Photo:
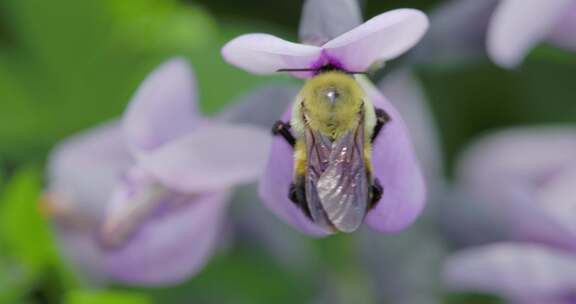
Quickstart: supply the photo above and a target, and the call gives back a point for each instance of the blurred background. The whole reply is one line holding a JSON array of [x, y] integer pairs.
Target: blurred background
[[67, 65]]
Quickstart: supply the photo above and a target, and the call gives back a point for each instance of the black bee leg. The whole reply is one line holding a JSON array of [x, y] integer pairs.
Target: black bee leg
[[283, 129], [377, 191], [297, 195], [382, 118]]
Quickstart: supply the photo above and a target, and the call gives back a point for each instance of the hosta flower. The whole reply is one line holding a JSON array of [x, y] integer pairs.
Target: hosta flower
[[519, 25], [521, 273], [381, 38], [143, 200], [528, 177]]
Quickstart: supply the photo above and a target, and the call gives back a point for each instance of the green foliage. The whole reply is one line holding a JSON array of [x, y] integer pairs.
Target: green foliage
[[472, 298], [23, 231], [28, 259], [108, 297], [73, 64], [243, 276], [472, 99]]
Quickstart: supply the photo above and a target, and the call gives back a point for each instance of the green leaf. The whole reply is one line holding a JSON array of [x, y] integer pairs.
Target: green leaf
[[104, 296], [23, 231], [161, 25], [13, 280]]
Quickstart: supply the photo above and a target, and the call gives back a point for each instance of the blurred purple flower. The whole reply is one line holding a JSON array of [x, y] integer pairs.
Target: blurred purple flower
[[519, 25], [166, 172], [521, 273], [383, 37], [527, 175]]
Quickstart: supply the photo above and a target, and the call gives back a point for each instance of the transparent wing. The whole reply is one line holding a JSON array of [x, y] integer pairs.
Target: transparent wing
[[318, 157], [337, 185]]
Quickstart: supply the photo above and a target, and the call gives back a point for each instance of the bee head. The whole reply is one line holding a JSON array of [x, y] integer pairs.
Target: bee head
[[331, 100]]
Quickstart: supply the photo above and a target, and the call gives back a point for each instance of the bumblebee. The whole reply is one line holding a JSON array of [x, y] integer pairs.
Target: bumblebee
[[332, 129]]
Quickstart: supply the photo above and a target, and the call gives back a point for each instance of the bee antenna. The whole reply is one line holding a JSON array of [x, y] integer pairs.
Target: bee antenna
[[358, 73]]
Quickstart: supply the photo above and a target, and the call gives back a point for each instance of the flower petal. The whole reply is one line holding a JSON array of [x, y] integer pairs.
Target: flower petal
[[266, 54], [261, 106], [564, 32], [323, 20], [505, 170], [163, 108], [518, 25], [213, 157], [80, 250], [275, 182], [83, 170], [406, 94], [396, 166], [514, 270], [383, 37], [173, 243]]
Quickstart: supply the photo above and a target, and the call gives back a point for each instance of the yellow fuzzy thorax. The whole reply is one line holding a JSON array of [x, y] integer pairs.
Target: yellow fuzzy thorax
[[331, 118]]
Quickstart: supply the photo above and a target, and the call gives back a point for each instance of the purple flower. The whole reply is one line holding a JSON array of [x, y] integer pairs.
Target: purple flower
[[528, 176], [521, 273], [154, 187], [383, 37], [519, 25]]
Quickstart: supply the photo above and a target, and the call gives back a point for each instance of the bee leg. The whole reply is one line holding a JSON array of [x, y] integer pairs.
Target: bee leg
[[297, 195], [283, 129], [377, 191], [382, 118]]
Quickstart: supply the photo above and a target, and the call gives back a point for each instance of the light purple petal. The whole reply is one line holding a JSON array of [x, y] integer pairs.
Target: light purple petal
[[163, 108], [173, 243], [275, 182], [214, 156], [518, 25], [83, 170], [383, 37], [564, 33], [509, 169], [82, 252], [323, 20], [395, 165], [514, 270], [266, 54], [406, 94]]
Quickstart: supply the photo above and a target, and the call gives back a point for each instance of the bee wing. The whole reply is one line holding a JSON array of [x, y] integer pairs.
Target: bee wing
[[318, 157], [340, 191]]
